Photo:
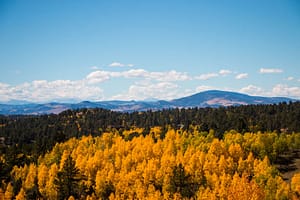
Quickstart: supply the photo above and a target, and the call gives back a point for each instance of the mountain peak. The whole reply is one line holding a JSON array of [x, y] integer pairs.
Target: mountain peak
[[209, 98], [215, 98]]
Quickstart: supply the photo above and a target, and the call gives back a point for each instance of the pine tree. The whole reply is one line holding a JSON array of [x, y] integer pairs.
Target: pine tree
[[180, 183], [67, 180]]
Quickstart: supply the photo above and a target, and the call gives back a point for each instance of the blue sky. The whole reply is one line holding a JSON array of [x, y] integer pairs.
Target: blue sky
[[101, 50]]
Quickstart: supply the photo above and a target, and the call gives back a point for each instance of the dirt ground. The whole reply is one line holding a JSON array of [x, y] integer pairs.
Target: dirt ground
[[289, 164]]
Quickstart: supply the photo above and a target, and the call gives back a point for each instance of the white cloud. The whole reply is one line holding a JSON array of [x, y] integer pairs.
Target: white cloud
[[94, 67], [3, 85], [278, 90], [4, 92], [134, 73], [202, 88], [158, 76], [270, 70], [98, 76], [147, 84], [285, 90], [207, 76], [253, 90], [147, 89], [290, 78], [224, 72], [169, 76], [117, 64], [44, 91], [158, 85], [241, 76], [101, 76]]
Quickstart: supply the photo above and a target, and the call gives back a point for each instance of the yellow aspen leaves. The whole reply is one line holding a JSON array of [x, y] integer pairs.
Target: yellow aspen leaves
[[9, 193], [21, 195], [295, 184], [30, 178], [183, 165]]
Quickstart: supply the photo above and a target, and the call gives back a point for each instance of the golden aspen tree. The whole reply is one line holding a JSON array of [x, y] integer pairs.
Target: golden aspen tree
[[146, 145], [20, 172], [139, 151], [149, 172], [242, 165], [283, 189], [43, 177], [91, 197], [189, 155], [224, 184], [107, 139], [262, 171], [50, 190], [295, 184], [211, 163], [21, 195], [156, 130], [81, 162], [168, 161], [153, 194], [222, 165], [217, 148], [212, 180], [91, 167], [9, 192], [236, 152], [206, 194], [177, 196], [64, 157], [249, 164], [140, 189], [2, 194], [71, 198], [242, 188], [233, 137], [30, 178], [157, 148], [231, 166], [100, 184]]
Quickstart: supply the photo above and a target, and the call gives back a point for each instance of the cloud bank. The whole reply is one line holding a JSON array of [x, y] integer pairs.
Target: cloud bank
[[141, 84], [45, 91]]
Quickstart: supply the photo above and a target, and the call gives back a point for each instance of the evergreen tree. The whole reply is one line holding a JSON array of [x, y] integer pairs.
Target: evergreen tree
[[181, 183], [67, 181]]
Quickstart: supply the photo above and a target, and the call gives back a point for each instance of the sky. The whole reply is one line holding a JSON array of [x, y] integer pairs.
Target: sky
[[75, 50]]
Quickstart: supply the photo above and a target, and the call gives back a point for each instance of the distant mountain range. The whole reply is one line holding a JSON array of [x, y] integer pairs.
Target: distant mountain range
[[211, 98]]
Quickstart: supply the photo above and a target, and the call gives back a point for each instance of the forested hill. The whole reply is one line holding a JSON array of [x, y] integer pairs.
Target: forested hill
[[34, 151], [40, 133]]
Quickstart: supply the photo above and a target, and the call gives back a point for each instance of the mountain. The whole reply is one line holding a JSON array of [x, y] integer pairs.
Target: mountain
[[216, 98], [211, 98]]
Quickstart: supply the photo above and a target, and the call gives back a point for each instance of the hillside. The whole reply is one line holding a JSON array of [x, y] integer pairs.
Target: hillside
[[39, 133], [183, 153], [212, 98], [216, 98], [181, 165]]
